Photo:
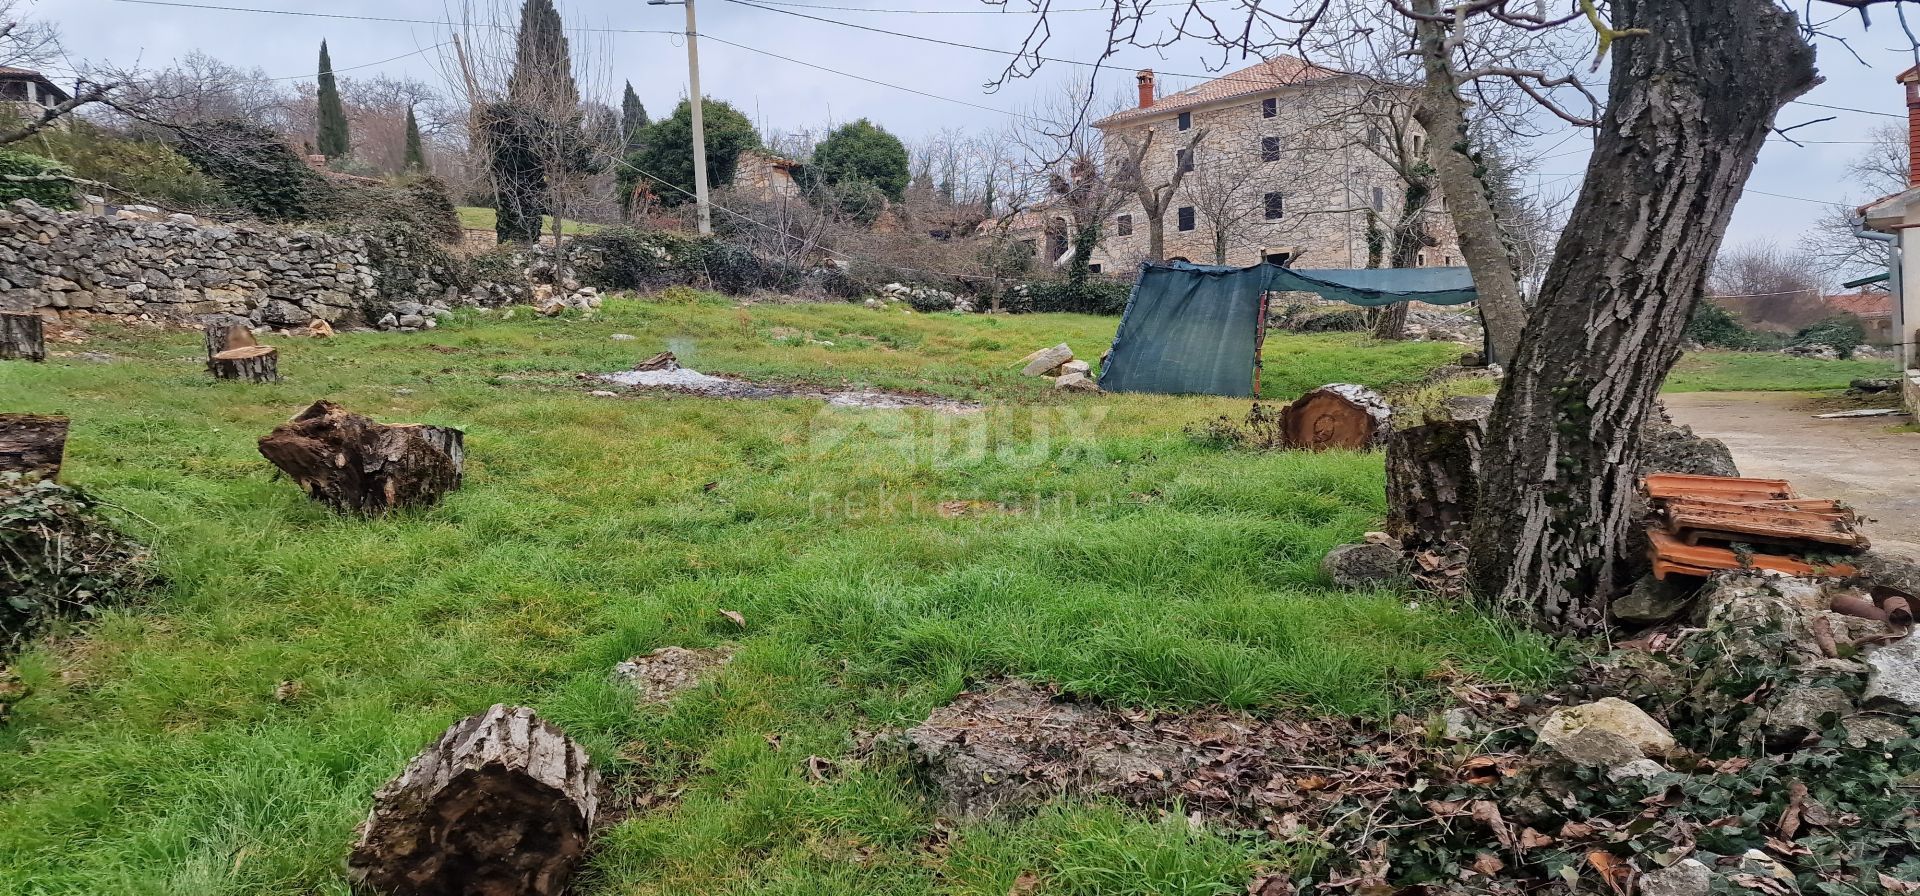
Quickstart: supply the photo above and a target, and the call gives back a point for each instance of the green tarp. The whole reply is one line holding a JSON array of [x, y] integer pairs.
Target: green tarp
[[1196, 329]]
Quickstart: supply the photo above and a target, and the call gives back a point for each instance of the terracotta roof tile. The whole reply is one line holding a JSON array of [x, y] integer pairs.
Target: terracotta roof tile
[[1862, 304], [1264, 77]]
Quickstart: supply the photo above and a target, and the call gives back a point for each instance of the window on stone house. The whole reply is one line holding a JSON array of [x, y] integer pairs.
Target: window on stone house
[[1276, 206], [1269, 107], [1185, 217], [1185, 121], [1419, 144], [1379, 199], [1123, 225], [13, 90], [1093, 267], [1269, 149], [1183, 159]]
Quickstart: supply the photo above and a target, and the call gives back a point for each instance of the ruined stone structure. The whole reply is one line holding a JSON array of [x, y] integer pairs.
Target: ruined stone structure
[[178, 269], [1287, 165]]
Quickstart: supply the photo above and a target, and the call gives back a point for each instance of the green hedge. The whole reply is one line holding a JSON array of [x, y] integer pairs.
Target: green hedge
[[42, 180]]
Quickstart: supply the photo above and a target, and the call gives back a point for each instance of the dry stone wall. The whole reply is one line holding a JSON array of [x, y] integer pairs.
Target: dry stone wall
[[178, 269]]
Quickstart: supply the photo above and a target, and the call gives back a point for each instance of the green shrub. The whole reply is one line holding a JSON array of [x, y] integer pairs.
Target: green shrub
[[45, 180], [1841, 332], [258, 172], [59, 559], [143, 169], [1716, 327], [1096, 295]]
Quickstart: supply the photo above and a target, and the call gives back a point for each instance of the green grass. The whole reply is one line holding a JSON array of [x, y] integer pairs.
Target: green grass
[[473, 218], [1717, 371], [153, 757]]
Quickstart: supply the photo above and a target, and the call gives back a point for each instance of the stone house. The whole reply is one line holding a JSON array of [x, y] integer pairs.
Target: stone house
[[765, 176], [25, 93], [1285, 165]]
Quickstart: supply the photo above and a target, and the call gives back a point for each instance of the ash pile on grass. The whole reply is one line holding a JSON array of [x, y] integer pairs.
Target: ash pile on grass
[[663, 373], [59, 559], [665, 673]]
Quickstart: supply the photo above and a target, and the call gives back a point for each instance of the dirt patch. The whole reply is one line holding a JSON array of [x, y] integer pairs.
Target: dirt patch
[[686, 381], [1014, 745], [667, 672]]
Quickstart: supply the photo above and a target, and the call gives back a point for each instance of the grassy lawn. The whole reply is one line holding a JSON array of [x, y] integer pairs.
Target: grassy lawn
[[472, 218], [154, 758], [1715, 371]]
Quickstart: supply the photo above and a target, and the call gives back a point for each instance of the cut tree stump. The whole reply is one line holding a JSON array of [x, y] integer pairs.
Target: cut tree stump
[[225, 336], [1433, 476], [22, 337], [30, 443], [1341, 415], [502, 805], [355, 465], [253, 364]]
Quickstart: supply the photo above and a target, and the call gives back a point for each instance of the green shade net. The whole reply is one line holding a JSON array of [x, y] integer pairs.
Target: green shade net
[[1195, 329]]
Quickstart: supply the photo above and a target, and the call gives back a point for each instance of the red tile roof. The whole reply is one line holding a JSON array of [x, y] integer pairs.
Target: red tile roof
[[1264, 77], [1862, 304]]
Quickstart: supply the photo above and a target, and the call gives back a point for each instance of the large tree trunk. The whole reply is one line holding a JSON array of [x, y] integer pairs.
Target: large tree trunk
[[22, 337], [1433, 475], [355, 465], [1442, 113], [1409, 237], [226, 333], [32, 444], [502, 805], [1689, 104]]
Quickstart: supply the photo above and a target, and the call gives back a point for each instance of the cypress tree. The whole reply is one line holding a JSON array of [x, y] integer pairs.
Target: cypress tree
[[331, 131], [416, 157], [542, 78], [633, 120]]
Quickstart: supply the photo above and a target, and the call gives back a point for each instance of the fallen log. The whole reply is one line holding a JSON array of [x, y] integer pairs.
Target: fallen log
[[32, 444], [355, 465], [22, 337], [1433, 476], [1336, 416], [253, 364], [502, 804]]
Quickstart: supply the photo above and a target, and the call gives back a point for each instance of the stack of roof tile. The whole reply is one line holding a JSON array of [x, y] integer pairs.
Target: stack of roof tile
[[1701, 524]]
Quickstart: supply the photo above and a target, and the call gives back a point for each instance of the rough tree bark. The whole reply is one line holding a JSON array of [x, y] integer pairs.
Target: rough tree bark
[[1689, 104], [226, 335], [1341, 415], [355, 465], [1156, 199], [22, 337], [1433, 475], [502, 805], [32, 444], [1409, 237], [1443, 115], [253, 364]]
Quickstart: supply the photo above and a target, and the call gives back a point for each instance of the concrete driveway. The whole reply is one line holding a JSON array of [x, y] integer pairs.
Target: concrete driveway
[[1773, 436]]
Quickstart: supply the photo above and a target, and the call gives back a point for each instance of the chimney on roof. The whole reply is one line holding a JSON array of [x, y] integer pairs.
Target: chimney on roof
[[1145, 77], [1911, 78]]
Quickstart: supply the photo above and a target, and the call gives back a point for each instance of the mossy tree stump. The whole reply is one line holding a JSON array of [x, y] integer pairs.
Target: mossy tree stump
[[22, 337]]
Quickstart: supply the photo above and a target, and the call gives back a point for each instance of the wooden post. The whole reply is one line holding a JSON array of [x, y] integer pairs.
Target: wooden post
[[355, 465], [502, 805], [22, 337], [30, 443], [253, 363], [1341, 415]]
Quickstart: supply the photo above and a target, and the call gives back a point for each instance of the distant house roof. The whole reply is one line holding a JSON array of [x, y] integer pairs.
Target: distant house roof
[[9, 73], [1264, 77], [1863, 304]]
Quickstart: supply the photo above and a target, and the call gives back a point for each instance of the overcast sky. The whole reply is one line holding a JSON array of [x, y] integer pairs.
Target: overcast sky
[[784, 95]]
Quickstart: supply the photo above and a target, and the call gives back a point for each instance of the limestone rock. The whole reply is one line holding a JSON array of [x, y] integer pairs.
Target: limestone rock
[[1075, 382], [1800, 711], [1607, 732], [1670, 448], [1366, 566], [1687, 877], [1640, 769], [1044, 361], [1652, 601], [1895, 676], [1075, 367], [1865, 729]]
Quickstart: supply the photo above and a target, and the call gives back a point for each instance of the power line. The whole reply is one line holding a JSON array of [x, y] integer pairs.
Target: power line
[[868, 80], [335, 71], [1004, 9], [330, 15], [1847, 109]]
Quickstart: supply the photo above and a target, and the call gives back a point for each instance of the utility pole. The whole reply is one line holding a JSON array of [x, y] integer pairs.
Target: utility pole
[[694, 103]]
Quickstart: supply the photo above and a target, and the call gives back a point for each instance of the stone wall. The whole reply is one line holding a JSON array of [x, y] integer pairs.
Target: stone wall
[[178, 269]]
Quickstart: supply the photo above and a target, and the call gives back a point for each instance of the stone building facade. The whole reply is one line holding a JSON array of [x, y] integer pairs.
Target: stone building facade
[[1284, 170]]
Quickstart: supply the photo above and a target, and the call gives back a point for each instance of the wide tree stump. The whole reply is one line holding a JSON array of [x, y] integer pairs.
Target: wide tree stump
[[355, 465], [253, 364], [502, 805], [1433, 475], [22, 337], [225, 335], [1341, 415], [32, 444]]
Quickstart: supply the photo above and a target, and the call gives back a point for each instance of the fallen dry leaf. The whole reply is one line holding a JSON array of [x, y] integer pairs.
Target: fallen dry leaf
[[820, 768], [1271, 885], [1026, 883], [1616, 873], [1532, 839], [1488, 864], [735, 617]]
